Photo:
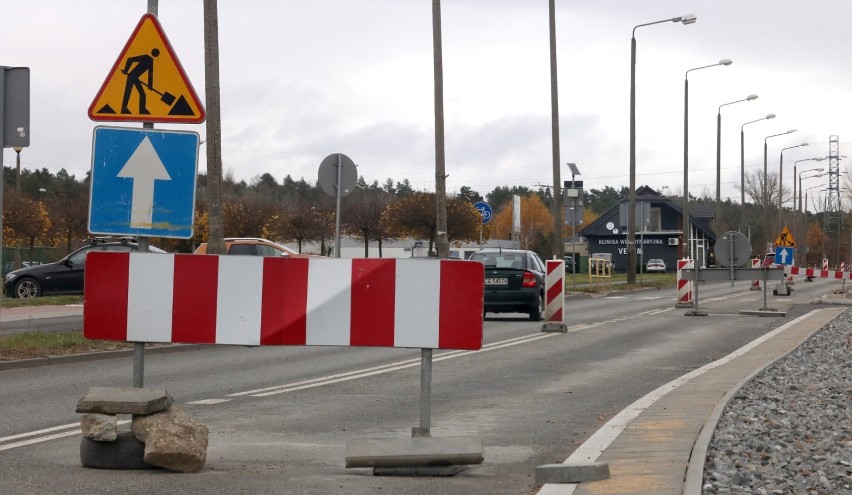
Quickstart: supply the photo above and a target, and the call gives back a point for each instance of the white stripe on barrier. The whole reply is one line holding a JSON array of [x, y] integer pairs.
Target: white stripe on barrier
[[329, 286], [238, 299], [151, 280], [418, 290]]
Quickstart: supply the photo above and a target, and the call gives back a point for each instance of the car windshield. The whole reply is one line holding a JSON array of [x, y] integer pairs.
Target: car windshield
[[501, 260]]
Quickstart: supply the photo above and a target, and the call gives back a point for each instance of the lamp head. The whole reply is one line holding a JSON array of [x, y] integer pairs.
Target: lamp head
[[726, 61], [803, 144], [790, 131], [751, 97], [770, 116], [686, 19]]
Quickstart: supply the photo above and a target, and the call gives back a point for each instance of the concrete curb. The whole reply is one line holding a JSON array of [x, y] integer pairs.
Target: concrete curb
[[95, 356]]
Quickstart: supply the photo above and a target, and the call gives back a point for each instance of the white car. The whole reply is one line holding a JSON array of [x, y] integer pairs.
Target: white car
[[655, 265]]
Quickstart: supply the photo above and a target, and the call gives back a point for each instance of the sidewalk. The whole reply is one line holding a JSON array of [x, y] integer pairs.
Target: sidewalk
[[37, 312], [658, 444]]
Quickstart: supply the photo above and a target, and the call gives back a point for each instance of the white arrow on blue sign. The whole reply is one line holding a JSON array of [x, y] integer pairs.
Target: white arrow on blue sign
[[143, 182], [784, 255]]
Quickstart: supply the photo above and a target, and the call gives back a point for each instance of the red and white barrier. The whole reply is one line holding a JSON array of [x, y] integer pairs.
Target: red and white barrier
[[755, 284], [554, 283], [825, 264], [814, 273], [684, 285], [247, 300]]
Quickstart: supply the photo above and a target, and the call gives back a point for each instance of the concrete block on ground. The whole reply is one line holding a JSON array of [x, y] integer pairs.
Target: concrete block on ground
[[763, 312], [124, 400], [413, 452], [100, 427], [554, 327], [571, 473]]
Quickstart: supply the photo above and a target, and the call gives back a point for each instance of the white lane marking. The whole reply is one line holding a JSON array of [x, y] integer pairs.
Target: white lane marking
[[600, 440], [310, 383], [208, 402], [45, 438]]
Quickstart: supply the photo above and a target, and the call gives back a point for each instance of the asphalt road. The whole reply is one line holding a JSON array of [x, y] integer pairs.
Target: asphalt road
[[279, 418]]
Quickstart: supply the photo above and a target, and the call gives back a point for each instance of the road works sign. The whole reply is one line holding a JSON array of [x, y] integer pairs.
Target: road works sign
[[147, 82], [785, 239], [143, 182]]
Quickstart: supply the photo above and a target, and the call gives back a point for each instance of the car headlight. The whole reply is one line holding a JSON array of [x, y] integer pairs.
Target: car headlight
[[10, 276]]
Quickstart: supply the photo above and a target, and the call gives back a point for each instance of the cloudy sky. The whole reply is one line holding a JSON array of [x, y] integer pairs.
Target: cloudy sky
[[302, 79]]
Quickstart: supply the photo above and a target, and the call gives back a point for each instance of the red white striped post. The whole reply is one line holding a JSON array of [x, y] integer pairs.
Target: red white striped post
[[755, 284], [554, 293], [825, 263], [684, 285]]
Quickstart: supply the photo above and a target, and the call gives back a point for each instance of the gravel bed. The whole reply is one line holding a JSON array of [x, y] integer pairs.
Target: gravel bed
[[789, 430]]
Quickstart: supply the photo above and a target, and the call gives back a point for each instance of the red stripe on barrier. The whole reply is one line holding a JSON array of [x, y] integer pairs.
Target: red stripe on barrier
[[196, 283], [105, 296], [554, 291], [373, 287], [460, 312], [283, 318]]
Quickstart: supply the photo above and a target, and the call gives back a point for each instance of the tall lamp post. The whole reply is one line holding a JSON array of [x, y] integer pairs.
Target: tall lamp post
[[797, 204], [798, 212], [687, 249], [719, 147], [742, 155], [631, 194], [781, 179], [766, 179]]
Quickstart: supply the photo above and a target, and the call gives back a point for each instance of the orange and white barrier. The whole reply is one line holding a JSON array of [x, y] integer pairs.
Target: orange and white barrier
[[248, 300], [554, 292], [684, 285]]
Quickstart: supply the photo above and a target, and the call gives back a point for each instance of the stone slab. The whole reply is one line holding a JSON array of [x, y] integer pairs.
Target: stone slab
[[124, 400], [413, 452], [761, 312], [571, 473]]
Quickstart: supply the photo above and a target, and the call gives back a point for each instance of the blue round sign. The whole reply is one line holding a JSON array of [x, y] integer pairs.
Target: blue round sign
[[485, 210]]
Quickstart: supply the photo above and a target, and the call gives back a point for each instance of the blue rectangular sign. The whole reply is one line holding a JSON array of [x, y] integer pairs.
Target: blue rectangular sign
[[143, 182], [784, 255]]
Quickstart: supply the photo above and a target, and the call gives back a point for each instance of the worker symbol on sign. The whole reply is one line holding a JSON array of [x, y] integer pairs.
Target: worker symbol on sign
[[785, 239], [135, 68], [147, 82]]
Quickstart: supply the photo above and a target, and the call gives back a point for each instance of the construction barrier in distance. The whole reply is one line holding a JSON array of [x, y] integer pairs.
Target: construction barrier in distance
[[684, 285]]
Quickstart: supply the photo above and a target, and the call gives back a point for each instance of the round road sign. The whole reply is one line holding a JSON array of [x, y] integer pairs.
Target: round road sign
[[485, 210], [733, 249], [328, 174]]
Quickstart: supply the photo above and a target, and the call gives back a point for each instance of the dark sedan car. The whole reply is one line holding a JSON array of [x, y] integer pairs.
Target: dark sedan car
[[514, 281], [64, 276]]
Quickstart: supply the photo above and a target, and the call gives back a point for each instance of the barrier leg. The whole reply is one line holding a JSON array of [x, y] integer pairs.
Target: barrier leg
[[425, 395]]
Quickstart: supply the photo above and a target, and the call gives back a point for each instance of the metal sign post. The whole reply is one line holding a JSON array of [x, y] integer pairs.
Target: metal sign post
[[337, 177]]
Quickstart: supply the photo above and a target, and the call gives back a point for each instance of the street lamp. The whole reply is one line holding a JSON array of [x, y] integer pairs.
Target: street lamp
[[798, 211], [686, 225], [742, 156], [796, 177], [719, 146], [781, 179], [631, 194], [766, 178]]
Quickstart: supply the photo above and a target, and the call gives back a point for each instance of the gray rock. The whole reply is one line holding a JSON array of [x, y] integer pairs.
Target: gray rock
[[173, 439], [100, 427]]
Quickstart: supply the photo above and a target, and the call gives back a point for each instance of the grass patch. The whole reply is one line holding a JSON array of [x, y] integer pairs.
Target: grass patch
[[618, 281], [13, 302], [40, 344]]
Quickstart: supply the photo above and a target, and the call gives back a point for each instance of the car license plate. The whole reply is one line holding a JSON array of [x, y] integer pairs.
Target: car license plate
[[496, 281]]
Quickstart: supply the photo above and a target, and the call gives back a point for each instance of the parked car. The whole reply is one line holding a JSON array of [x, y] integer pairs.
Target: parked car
[[655, 265], [768, 260], [254, 246], [514, 281], [64, 276]]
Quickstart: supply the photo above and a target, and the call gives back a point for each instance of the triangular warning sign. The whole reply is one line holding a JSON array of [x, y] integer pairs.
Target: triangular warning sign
[[785, 239], [147, 82]]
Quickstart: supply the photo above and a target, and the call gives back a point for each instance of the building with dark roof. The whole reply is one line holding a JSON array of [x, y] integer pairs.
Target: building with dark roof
[[660, 235]]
